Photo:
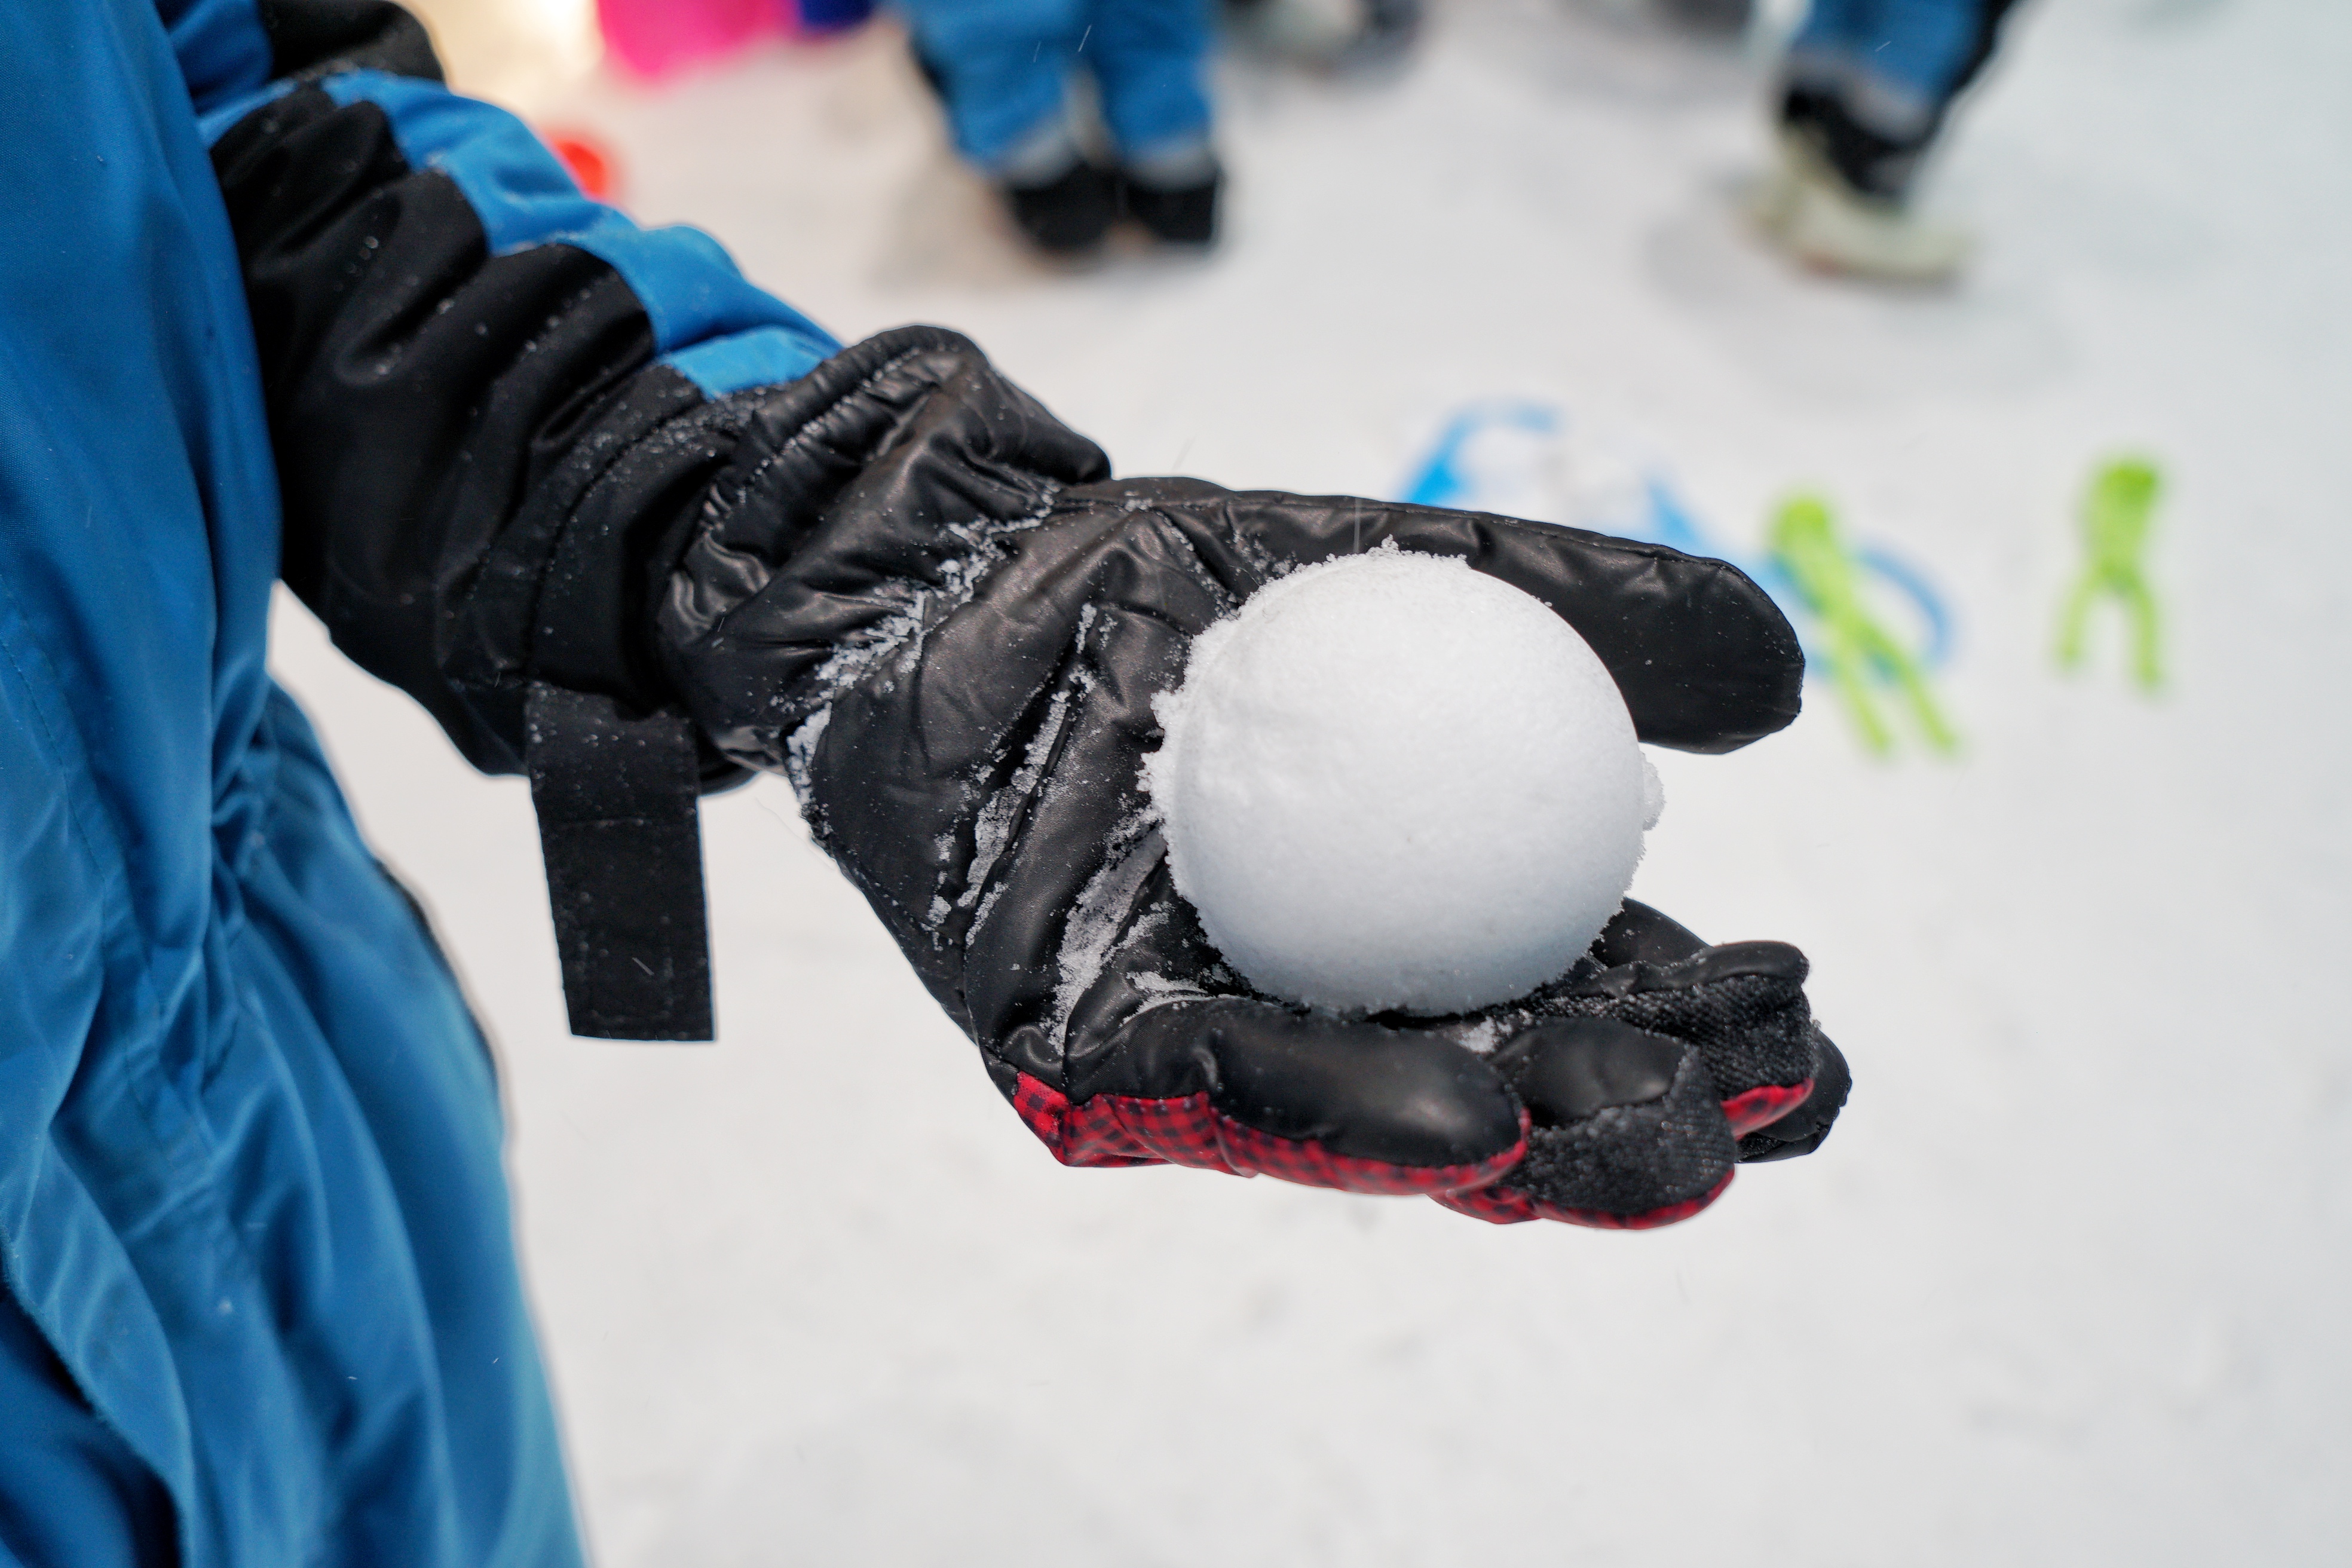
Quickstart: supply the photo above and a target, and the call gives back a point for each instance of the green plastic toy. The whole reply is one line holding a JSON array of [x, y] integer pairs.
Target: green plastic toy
[[1805, 544], [2117, 512]]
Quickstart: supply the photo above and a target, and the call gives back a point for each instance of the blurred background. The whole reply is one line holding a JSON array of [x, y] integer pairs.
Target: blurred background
[[2069, 1283]]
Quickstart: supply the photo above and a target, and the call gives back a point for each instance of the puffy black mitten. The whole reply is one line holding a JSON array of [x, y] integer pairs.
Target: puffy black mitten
[[919, 595]]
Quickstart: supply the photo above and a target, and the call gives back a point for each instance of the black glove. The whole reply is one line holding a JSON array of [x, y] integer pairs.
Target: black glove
[[919, 595]]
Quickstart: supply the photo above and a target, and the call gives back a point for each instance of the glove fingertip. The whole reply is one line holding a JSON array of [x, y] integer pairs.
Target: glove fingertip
[[1805, 1128], [1631, 1142], [1502, 1204], [1392, 1097]]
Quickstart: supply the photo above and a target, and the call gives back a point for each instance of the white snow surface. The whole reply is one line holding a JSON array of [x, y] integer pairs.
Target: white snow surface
[[2066, 1287], [1391, 781]]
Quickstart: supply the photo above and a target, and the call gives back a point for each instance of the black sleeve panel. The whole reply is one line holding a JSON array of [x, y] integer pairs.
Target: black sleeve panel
[[477, 454], [310, 37]]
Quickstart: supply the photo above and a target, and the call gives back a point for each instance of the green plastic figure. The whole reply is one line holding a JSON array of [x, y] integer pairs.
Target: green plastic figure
[[2118, 511], [1805, 544]]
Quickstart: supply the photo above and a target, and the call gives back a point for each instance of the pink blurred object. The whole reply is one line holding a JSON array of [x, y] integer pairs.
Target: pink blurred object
[[657, 38]]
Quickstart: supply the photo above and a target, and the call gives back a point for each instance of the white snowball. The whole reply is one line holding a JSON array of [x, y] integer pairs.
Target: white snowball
[[1392, 782], [1654, 795]]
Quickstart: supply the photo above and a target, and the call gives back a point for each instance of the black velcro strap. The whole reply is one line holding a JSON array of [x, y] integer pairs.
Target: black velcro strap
[[616, 823]]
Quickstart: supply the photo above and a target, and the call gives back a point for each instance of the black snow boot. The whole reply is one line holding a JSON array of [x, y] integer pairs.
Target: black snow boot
[[1067, 213], [1177, 215]]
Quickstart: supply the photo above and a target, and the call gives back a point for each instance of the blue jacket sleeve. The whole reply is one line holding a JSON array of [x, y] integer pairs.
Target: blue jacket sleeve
[[494, 403]]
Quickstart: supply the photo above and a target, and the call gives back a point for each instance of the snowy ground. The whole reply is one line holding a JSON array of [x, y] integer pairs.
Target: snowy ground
[[2068, 1286]]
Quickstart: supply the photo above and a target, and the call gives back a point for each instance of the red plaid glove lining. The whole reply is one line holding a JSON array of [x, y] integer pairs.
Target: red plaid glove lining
[[1507, 1205], [1118, 1130], [1764, 1105]]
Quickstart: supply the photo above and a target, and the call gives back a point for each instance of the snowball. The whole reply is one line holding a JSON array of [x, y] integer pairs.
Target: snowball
[[1391, 781]]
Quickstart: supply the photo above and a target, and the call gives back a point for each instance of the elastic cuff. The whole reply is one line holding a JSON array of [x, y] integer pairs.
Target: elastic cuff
[[1172, 162], [1041, 155], [1885, 107]]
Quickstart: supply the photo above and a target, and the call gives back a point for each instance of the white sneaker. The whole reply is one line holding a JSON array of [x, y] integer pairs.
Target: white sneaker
[[1767, 199], [1806, 209]]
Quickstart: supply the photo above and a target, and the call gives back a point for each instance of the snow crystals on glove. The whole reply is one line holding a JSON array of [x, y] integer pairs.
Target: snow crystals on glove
[[1392, 782]]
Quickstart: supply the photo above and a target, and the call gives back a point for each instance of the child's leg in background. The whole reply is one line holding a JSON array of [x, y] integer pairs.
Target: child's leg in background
[[1151, 59], [1003, 68], [1867, 86], [1870, 82]]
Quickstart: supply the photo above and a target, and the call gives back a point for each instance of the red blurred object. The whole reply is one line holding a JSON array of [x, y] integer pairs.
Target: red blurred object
[[591, 162]]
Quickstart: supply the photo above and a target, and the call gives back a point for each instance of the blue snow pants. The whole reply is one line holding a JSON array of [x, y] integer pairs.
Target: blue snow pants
[[1006, 67], [1895, 63]]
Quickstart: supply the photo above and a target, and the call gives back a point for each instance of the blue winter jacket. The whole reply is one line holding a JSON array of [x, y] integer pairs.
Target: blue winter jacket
[[256, 264]]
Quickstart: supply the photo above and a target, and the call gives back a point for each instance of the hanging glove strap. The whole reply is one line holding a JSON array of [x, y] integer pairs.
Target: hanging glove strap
[[615, 796]]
